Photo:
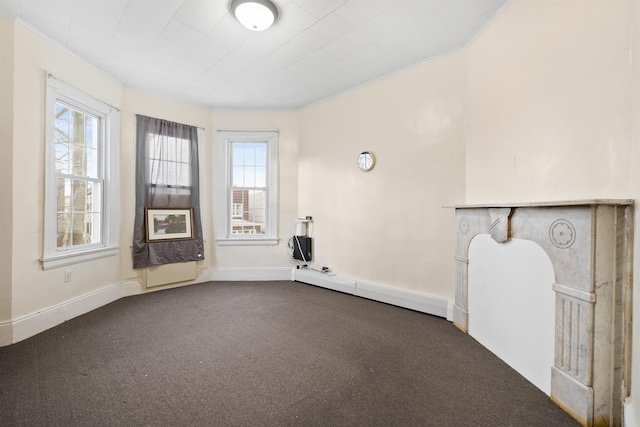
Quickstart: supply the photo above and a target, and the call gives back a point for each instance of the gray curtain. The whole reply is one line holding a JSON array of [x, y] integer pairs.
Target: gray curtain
[[166, 177]]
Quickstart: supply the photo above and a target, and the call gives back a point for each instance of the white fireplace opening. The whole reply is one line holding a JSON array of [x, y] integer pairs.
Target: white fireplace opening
[[512, 305]]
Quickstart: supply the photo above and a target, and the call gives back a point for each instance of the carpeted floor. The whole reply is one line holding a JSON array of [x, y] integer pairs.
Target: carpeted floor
[[262, 354]]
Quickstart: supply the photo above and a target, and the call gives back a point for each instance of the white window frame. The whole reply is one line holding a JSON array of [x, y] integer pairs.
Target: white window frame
[[234, 210], [52, 256], [223, 204]]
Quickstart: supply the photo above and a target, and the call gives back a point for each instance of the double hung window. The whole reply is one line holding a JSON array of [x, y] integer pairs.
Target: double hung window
[[81, 147], [247, 191]]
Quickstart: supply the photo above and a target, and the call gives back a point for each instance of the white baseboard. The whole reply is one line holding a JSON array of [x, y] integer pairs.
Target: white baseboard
[[403, 298], [629, 417], [29, 325], [325, 280], [6, 333], [247, 274], [398, 297]]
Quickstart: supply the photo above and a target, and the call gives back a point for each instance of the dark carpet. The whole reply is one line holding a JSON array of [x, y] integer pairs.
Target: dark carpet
[[262, 354]]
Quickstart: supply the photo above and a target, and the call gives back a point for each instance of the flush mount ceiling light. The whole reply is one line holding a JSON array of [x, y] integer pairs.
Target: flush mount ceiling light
[[256, 15]]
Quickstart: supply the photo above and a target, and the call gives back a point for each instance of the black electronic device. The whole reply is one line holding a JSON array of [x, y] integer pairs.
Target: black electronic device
[[302, 248]]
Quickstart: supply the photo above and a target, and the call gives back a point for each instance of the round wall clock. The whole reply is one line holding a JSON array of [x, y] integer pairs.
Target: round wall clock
[[366, 161]]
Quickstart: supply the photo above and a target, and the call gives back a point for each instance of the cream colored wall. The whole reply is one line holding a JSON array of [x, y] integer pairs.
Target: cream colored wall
[[388, 226], [549, 103], [238, 257], [551, 86], [33, 288], [6, 164], [136, 102]]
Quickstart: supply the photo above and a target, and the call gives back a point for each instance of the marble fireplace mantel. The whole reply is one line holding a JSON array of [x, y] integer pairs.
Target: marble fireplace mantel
[[590, 245]]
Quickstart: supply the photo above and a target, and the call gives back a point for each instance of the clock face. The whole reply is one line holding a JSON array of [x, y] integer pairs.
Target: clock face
[[366, 161]]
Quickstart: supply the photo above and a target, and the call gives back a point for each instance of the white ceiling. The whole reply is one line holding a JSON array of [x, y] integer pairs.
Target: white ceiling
[[195, 51]]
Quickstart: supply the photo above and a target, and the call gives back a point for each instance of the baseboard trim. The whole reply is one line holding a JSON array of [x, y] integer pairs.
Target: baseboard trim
[[398, 297], [247, 274], [6, 333], [31, 324], [324, 280], [403, 298], [629, 416], [26, 326]]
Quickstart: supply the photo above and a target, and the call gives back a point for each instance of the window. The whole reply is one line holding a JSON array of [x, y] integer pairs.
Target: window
[[169, 170], [247, 188], [167, 176], [81, 147]]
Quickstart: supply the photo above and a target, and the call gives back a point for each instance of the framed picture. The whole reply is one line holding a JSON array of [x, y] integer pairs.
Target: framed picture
[[169, 224]]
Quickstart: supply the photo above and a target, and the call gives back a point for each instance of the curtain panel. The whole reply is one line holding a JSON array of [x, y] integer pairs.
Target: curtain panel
[[167, 176]]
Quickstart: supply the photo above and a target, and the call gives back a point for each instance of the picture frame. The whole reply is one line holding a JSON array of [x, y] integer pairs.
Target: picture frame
[[164, 224]]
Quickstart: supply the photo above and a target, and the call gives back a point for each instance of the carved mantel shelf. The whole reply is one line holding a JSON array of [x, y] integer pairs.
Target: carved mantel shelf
[[590, 244]]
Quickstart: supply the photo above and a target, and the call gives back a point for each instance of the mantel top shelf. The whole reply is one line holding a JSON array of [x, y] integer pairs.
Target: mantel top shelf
[[589, 202]]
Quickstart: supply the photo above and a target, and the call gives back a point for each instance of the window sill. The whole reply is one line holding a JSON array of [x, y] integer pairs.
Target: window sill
[[248, 242], [62, 260]]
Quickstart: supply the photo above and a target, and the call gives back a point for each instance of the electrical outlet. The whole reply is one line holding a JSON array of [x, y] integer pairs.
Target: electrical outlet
[[67, 276]]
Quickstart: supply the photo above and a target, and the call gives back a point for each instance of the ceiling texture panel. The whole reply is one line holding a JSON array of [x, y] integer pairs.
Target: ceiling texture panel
[[195, 51]]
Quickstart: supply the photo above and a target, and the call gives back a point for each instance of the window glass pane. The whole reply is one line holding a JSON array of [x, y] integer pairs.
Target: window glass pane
[[78, 195], [92, 162], [76, 139], [253, 218], [260, 176], [238, 154], [249, 164], [64, 195], [79, 212], [82, 228], [237, 179], [94, 197], [261, 155], [61, 137], [91, 132], [64, 230], [170, 161]]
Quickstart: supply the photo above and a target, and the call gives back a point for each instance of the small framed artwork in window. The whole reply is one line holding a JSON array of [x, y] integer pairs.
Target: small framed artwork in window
[[169, 224]]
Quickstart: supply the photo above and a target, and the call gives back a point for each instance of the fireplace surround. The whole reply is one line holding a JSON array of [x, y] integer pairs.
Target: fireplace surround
[[590, 244]]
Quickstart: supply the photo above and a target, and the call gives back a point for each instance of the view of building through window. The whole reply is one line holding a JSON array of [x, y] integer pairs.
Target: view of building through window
[[248, 187], [78, 173]]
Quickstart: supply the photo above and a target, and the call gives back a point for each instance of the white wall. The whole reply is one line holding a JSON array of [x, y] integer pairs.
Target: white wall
[[32, 288], [549, 101], [388, 226], [551, 85], [243, 257], [6, 167]]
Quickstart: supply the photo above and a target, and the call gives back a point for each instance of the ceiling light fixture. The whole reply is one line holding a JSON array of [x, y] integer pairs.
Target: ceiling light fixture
[[256, 15]]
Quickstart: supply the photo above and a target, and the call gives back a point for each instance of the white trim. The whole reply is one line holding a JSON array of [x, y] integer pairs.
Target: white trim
[[6, 333], [629, 414], [247, 242], [31, 324], [248, 274], [328, 281], [222, 219], [77, 257], [403, 298], [399, 297], [53, 257]]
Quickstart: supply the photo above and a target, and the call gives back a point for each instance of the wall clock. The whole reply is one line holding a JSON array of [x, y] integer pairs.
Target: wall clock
[[366, 161]]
